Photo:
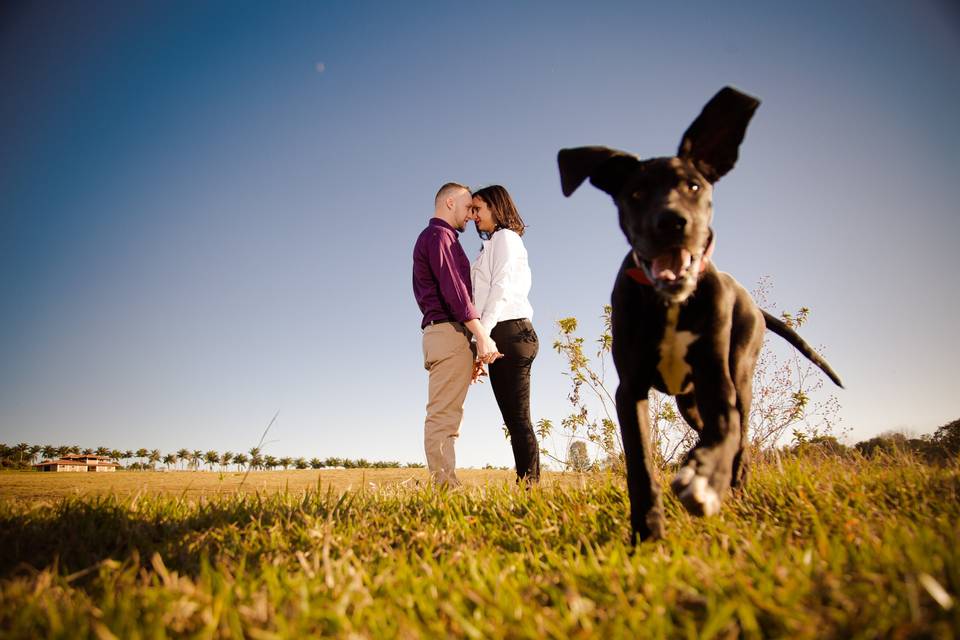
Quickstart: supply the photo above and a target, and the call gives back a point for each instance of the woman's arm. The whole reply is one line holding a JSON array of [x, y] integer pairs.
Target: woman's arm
[[506, 248]]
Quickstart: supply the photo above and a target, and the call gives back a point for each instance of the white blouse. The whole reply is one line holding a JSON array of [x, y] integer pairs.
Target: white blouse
[[501, 279]]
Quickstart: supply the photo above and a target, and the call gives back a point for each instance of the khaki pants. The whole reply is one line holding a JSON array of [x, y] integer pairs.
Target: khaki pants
[[448, 356]]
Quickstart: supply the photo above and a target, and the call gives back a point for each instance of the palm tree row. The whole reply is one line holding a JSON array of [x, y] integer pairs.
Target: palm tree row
[[23, 455]]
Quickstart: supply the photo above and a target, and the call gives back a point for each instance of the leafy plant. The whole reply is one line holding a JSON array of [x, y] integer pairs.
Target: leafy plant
[[593, 410], [784, 389]]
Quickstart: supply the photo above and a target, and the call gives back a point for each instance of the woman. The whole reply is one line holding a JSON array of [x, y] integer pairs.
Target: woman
[[501, 283]]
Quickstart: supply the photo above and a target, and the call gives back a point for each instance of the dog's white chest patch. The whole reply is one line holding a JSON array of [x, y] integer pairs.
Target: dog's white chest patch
[[673, 365]]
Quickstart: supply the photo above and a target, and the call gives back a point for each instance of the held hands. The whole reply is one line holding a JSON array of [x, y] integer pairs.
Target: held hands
[[486, 347], [490, 357], [487, 350]]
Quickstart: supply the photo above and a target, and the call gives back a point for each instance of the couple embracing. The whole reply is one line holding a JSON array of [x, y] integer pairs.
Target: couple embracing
[[475, 316]]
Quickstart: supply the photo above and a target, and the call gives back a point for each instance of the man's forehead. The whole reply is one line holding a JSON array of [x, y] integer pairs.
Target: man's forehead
[[453, 191]]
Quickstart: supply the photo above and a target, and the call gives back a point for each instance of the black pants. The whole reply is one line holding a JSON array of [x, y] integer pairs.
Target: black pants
[[510, 380]]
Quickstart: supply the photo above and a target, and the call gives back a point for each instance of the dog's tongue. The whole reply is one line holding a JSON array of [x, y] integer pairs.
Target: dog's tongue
[[670, 265]]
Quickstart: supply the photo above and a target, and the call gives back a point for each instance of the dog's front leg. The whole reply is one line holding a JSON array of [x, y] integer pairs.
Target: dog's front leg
[[643, 487], [705, 477]]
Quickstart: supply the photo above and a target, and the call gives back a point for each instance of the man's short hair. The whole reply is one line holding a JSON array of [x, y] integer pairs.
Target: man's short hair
[[446, 189]]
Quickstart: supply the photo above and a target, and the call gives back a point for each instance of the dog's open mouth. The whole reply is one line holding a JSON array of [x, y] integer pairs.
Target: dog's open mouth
[[672, 270], [670, 266]]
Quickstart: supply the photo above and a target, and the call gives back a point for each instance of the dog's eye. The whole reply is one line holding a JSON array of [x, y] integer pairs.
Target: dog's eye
[[693, 186], [637, 195]]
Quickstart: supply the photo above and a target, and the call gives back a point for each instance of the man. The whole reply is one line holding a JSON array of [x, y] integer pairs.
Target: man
[[441, 285]]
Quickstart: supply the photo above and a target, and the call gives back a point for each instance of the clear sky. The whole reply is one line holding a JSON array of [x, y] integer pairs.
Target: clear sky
[[207, 210]]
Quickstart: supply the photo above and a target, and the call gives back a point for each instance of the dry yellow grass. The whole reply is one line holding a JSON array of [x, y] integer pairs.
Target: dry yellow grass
[[35, 487]]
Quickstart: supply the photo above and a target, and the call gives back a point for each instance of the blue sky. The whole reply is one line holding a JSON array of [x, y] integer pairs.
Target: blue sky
[[207, 211]]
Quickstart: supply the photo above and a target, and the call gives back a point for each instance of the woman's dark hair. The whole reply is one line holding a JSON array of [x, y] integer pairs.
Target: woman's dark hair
[[501, 205]]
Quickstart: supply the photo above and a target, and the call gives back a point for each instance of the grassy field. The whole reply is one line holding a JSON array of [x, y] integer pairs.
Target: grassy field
[[34, 488], [810, 549]]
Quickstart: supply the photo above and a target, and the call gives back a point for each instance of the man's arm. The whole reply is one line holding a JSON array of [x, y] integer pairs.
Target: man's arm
[[453, 290], [457, 296]]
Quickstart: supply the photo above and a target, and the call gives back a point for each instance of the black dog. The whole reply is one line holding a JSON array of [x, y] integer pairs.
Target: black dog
[[679, 325]]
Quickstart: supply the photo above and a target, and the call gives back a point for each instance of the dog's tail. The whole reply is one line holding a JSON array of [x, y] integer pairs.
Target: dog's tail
[[780, 328]]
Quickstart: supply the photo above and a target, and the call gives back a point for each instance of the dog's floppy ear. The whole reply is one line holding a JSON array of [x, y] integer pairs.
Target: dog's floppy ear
[[606, 168], [713, 140]]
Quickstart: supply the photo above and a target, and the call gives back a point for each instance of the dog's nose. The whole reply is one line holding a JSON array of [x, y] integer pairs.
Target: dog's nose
[[670, 222]]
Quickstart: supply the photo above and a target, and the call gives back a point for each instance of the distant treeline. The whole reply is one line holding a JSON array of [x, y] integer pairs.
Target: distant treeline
[[24, 455], [941, 446]]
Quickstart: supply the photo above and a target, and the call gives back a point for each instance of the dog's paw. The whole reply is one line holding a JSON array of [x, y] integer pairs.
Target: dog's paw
[[695, 492]]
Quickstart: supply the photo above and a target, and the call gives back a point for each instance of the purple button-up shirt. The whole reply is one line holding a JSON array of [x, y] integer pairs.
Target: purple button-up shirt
[[441, 275]]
